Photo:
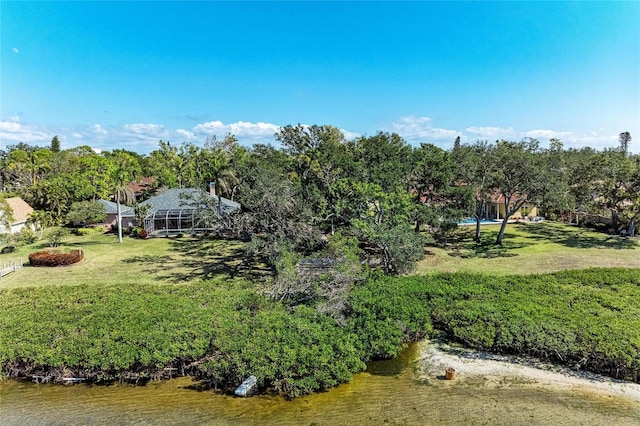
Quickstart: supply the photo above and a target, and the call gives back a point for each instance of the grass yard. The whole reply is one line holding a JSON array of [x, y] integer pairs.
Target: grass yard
[[527, 249], [532, 248], [135, 261]]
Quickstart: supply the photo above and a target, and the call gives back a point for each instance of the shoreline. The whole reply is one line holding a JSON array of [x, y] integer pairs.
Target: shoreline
[[492, 370]]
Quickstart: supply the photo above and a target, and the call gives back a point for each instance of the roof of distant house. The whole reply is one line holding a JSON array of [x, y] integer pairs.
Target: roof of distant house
[[144, 184], [21, 210], [112, 208], [185, 198]]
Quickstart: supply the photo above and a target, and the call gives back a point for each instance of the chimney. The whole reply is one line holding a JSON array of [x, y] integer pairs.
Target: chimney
[[212, 189]]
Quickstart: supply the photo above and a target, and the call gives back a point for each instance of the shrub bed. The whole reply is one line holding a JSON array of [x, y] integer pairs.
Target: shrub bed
[[587, 319], [55, 258], [90, 230], [224, 331]]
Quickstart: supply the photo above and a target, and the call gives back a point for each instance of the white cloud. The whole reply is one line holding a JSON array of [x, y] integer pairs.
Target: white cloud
[[186, 134], [240, 129], [419, 129], [99, 131], [546, 134], [492, 132], [12, 130], [145, 132], [594, 139], [350, 135], [15, 50]]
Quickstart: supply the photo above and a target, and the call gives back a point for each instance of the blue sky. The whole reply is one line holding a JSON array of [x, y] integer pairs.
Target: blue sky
[[127, 74]]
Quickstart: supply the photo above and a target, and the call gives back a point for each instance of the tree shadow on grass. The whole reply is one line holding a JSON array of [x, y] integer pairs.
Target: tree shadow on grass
[[487, 248], [209, 258], [201, 258], [575, 237], [154, 264]]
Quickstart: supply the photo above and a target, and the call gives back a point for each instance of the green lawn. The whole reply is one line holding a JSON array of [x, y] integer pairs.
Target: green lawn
[[528, 248], [532, 248], [135, 261]]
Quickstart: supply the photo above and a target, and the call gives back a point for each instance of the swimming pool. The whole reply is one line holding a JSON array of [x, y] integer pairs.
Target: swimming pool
[[472, 221]]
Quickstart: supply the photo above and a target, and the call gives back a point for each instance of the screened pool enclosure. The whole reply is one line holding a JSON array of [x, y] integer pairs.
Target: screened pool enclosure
[[182, 211], [165, 222]]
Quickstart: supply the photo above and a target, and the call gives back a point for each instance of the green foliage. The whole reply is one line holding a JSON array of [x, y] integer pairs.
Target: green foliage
[[87, 212], [387, 312], [90, 231], [222, 332], [398, 247], [225, 331], [56, 236], [586, 319], [26, 236]]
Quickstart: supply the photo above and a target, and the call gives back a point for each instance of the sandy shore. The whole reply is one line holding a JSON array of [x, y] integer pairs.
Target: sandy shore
[[474, 367]]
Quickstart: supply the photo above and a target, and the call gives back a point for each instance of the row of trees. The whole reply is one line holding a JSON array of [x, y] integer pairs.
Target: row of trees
[[377, 188]]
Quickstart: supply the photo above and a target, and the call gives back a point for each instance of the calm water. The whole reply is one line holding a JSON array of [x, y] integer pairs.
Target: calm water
[[388, 392]]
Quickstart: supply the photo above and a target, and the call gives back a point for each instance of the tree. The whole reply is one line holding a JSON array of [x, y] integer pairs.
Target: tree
[[142, 211], [220, 170], [581, 176], [383, 160], [40, 219], [87, 212], [625, 140], [124, 170], [55, 144], [614, 184], [436, 195], [56, 236], [515, 176], [6, 214], [554, 198], [164, 163], [472, 174], [321, 159], [273, 211], [26, 167]]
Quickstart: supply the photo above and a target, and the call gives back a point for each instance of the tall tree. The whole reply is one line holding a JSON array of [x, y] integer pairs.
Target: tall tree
[[55, 144], [384, 160], [125, 169], [436, 195], [554, 198], [625, 140], [321, 159], [473, 172], [515, 176], [614, 184]]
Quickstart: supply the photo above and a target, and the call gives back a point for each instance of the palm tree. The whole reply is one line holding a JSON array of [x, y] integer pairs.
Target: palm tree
[[222, 174], [40, 219], [125, 169], [121, 193]]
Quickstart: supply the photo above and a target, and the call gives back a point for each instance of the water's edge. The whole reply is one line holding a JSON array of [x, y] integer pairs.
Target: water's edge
[[407, 390]]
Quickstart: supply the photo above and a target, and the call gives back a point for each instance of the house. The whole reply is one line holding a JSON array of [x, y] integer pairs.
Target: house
[[128, 215], [20, 211], [495, 208], [142, 188], [181, 211]]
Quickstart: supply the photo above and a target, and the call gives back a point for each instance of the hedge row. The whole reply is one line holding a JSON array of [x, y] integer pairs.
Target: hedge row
[[224, 331], [586, 320], [55, 258]]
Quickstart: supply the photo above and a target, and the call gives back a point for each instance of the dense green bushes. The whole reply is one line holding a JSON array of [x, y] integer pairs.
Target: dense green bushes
[[586, 319], [223, 332]]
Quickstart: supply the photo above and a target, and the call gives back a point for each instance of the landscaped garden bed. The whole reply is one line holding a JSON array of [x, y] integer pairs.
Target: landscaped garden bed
[[55, 257]]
